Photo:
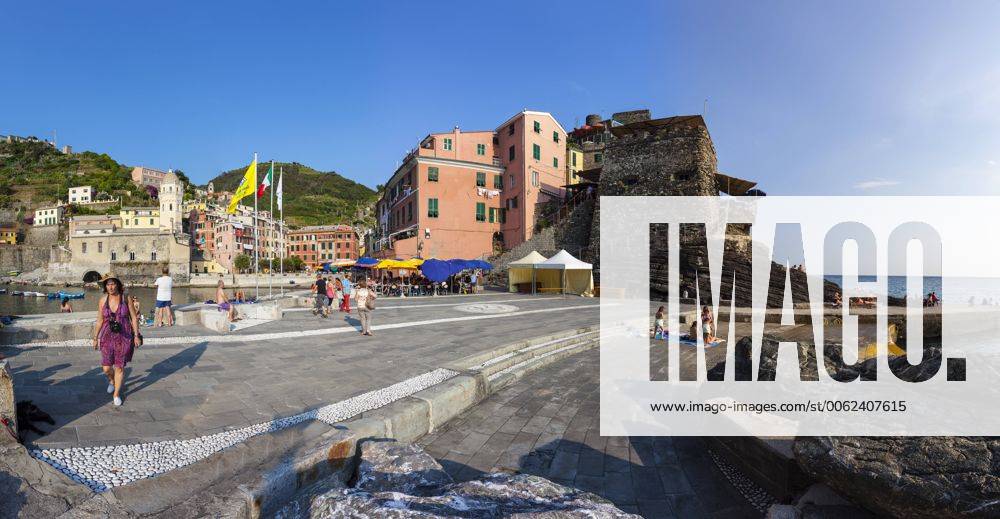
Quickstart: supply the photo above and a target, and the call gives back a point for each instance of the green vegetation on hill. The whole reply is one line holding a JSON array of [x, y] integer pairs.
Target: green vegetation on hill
[[311, 197], [34, 174]]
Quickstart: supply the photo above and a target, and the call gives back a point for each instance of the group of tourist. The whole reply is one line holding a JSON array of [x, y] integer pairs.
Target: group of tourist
[[707, 325], [327, 291]]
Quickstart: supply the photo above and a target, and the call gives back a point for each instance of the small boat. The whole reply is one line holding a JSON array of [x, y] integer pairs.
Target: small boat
[[35, 294], [3, 290], [17, 293], [52, 295], [71, 295]]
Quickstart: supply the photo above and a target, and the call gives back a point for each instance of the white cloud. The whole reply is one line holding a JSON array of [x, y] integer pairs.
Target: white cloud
[[875, 183], [991, 162]]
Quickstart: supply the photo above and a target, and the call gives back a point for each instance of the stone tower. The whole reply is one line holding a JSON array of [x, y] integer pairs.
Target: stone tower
[[672, 156], [171, 203]]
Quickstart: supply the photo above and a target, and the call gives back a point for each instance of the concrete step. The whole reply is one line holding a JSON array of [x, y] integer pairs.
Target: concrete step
[[482, 360], [516, 371], [517, 357]]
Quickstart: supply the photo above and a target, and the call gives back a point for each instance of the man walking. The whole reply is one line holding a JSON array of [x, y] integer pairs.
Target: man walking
[[345, 305], [319, 288], [164, 292]]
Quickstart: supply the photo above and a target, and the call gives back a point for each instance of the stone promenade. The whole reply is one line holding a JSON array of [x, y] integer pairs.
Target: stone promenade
[[547, 424], [205, 383]]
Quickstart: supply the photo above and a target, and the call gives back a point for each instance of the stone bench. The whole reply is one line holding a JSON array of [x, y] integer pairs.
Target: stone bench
[[209, 315], [49, 328]]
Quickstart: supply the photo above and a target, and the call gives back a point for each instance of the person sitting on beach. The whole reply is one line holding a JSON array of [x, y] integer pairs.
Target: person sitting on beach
[[659, 325], [707, 326], [65, 307], [137, 308], [223, 302]]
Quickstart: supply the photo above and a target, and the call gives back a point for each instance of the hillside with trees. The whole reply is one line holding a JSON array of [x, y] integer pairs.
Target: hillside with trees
[[311, 197], [33, 173]]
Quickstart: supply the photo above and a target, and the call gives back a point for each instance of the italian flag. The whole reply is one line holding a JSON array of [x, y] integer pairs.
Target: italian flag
[[266, 183]]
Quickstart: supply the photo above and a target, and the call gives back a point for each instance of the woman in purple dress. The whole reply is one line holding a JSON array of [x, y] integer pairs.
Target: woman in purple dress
[[115, 333]]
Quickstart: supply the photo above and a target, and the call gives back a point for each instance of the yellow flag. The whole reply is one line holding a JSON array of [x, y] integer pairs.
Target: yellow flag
[[248, 186]]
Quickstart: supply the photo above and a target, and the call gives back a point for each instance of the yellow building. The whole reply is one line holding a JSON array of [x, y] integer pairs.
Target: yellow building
[[195, 205], [140, 217], [574, 163], [8, 235], [207, 266]]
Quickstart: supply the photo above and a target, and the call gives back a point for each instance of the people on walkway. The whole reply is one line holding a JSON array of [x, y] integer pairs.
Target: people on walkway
[[319, 291], [164, 293], [223, 302], [115, 334], [65, 306], [365, 298], [331, 294], [345, 302]]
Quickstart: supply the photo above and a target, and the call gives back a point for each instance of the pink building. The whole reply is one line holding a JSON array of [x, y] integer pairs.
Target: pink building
[[144, 176], [471, 194], [532, 148]]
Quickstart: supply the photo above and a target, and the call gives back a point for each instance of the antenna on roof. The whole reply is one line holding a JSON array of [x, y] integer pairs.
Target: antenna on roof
[[704, 108]]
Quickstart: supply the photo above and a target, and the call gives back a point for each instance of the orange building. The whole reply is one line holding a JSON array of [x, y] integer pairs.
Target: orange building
[[469, 194], [319, 244]]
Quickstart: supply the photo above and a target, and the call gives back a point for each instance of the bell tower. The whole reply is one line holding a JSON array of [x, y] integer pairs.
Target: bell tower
[[171, 203]]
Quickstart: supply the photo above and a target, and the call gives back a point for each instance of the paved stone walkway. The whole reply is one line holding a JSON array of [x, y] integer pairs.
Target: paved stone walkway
[[547, 424], [204, 386]]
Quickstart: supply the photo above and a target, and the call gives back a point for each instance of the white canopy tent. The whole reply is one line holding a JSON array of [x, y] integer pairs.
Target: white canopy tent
[[523, 270], [576, 276]]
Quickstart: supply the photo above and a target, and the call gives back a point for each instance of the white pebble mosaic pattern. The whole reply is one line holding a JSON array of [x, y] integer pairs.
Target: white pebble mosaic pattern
[[101, 468]]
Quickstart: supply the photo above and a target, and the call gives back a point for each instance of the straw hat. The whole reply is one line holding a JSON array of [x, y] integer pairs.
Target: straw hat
[[108, 277]]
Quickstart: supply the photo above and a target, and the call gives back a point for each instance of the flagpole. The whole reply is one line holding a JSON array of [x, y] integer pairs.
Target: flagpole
[[270, 257], [256, 241], [281, 227]]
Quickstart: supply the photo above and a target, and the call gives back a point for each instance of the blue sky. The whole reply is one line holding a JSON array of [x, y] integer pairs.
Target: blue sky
[[805, 97]]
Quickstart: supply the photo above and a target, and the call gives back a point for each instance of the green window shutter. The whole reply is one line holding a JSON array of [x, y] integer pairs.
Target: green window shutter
[[493, 213], [536, 151], [510, 153], [573, 155], [598, 157], [497, 181], [480, 149], [447, 144], [555, 136], [538, 127], [480, 179], [555, 162], [432, 174], [480, 212], [432, 207], [503, 215]]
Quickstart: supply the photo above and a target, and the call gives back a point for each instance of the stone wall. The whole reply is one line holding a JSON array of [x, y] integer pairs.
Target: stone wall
[[23, 258], [572, 234], [42, 236], [8, 405]]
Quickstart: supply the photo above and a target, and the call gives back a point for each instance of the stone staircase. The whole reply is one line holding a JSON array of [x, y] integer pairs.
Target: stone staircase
[[509, 363]]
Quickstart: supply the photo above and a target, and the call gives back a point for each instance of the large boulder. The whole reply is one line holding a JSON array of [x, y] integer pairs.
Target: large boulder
[[388, 466], [912, 477], [402, 481]]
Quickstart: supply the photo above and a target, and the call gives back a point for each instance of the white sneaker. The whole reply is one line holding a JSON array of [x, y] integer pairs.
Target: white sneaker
[[118, 401], [111, 388]]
